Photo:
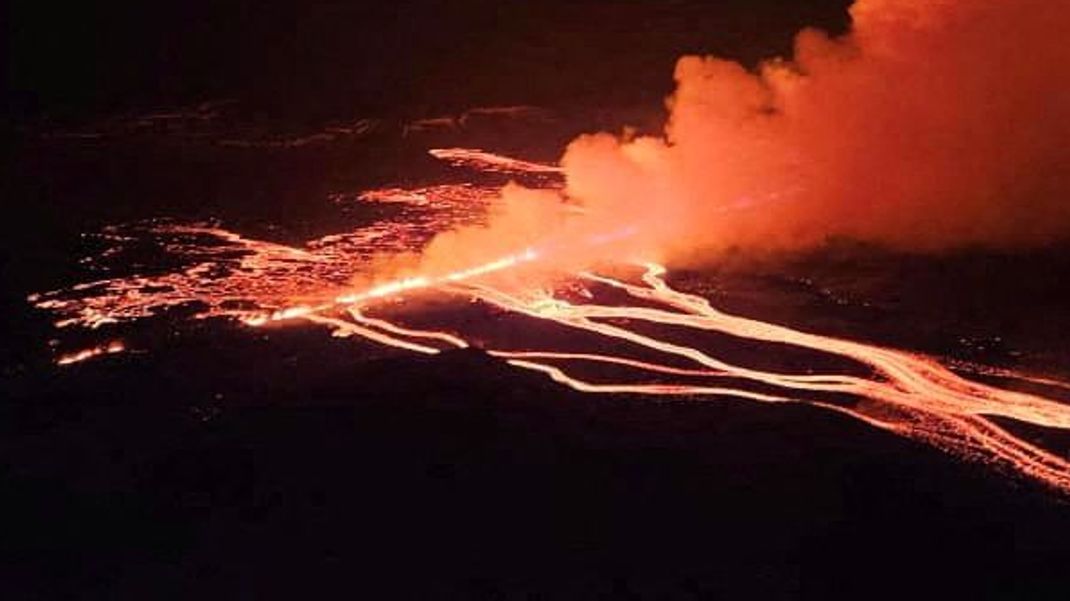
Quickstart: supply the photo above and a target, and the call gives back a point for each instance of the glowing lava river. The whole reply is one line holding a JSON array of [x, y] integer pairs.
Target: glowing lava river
[[617, 329]]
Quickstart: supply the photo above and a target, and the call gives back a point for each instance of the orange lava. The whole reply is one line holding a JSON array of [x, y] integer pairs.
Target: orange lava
[[486, 161], [96, 351], [256, 282]]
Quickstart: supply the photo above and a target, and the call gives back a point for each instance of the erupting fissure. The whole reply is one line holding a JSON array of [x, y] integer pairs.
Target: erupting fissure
[[259, 283]]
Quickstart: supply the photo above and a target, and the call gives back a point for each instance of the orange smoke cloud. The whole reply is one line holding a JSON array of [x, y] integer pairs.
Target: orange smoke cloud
[[931, 124]]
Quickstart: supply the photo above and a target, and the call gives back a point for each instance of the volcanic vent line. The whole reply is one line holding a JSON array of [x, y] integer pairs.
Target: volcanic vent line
[[616, 335], [911, 395]]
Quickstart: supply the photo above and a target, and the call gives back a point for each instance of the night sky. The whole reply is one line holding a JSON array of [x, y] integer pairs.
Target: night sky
[[308, 58]]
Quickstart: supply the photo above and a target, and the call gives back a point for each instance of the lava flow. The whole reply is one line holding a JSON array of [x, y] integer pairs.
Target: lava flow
[[613, 334]]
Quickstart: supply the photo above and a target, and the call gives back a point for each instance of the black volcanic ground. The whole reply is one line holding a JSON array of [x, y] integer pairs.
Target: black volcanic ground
[[283, 463], [269, 468]]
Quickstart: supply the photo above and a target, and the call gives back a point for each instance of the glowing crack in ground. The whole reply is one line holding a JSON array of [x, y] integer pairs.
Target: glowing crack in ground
[[227, 275]]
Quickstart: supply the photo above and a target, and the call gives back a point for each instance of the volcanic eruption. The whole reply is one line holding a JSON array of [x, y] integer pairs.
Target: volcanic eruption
[[930, 125]]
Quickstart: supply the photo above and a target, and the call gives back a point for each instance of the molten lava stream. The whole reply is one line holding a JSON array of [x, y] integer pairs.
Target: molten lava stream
[[912, 395], [602, 335]]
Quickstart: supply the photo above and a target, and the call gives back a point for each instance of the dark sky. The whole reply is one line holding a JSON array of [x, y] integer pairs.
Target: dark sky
[[304, 57]]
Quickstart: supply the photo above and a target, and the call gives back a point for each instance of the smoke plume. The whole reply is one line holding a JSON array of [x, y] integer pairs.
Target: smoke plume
[[931, 124]]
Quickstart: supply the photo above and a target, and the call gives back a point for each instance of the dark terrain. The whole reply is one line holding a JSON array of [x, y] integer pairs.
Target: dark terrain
[[229, 465]]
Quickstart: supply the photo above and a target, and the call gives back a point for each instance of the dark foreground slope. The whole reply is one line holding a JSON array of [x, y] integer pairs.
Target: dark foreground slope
[[285, 470]]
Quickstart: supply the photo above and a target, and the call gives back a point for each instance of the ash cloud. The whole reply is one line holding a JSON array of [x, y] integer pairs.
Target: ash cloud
[[930, 125]]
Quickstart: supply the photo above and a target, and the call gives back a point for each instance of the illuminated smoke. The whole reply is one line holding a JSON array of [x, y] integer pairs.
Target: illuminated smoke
[[931, 124]]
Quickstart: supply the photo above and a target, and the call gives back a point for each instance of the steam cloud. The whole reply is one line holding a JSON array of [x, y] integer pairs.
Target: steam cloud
[[931, 124]]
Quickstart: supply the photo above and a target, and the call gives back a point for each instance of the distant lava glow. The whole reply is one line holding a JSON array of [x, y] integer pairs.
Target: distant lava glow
[[115, 346], [613, 333]]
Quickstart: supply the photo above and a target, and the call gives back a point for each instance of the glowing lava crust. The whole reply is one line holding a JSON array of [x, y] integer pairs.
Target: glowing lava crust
[[639, 341]]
